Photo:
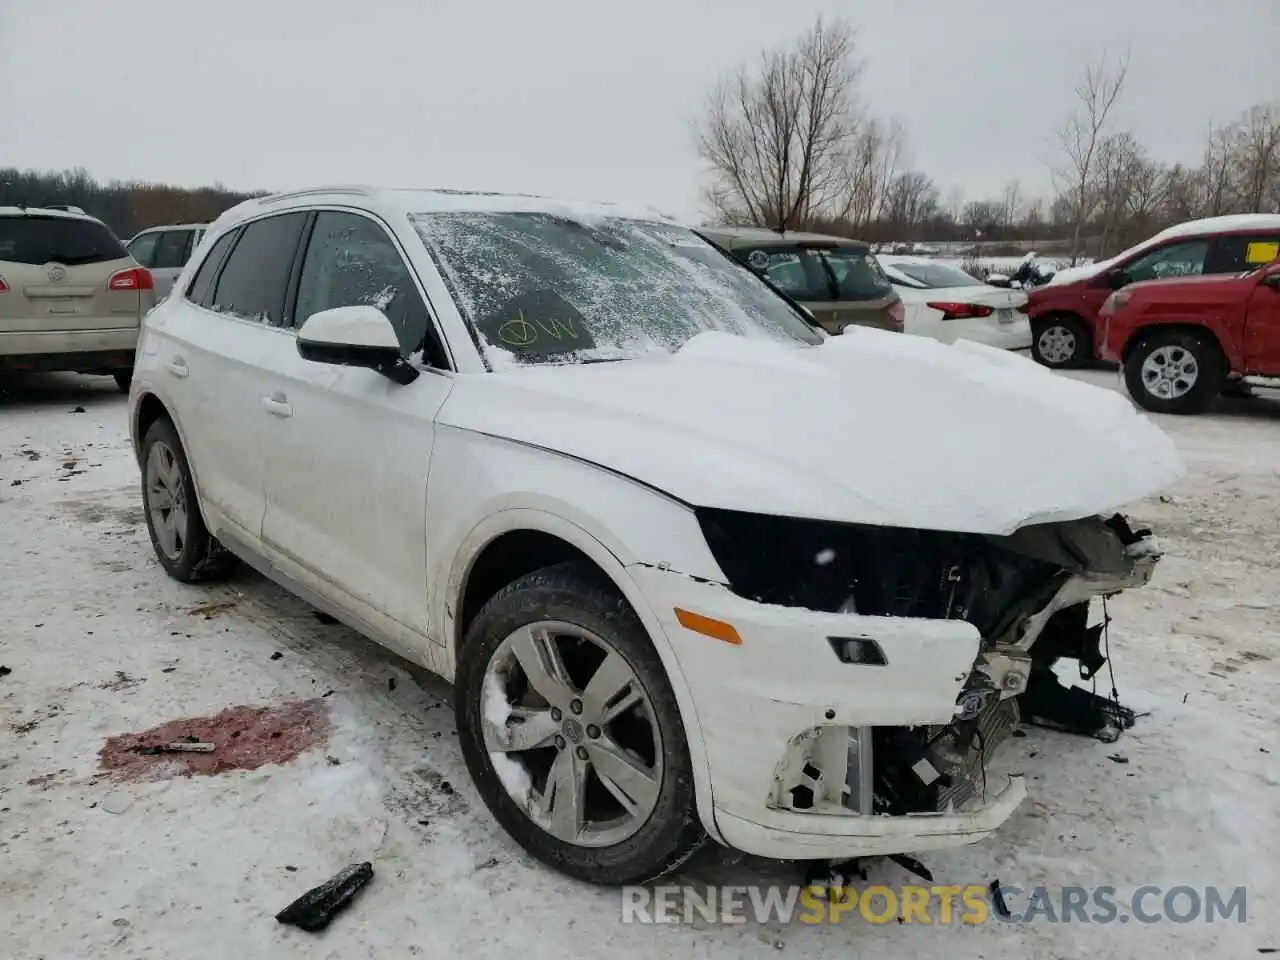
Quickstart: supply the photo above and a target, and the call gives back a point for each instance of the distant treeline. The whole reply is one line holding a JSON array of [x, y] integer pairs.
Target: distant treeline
[[126, 207]]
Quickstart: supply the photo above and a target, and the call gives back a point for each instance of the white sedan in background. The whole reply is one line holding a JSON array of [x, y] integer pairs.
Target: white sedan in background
[[945, 303]]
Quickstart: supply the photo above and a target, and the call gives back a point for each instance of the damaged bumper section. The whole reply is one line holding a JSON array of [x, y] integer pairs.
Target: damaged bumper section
[[877, 671]]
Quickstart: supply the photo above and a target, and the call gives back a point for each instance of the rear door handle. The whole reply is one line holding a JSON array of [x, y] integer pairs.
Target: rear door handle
[[277, 405], [178, 367]]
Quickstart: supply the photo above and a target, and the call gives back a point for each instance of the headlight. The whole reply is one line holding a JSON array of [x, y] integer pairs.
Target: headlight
[[900, 572]]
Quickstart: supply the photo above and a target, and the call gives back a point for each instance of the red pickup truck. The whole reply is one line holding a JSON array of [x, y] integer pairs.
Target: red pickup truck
[[1182, 342], [1064, 313]]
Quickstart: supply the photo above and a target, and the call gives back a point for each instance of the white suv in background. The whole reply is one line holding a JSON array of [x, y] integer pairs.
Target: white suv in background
[[694, 567], [71, 297], [165, 251]]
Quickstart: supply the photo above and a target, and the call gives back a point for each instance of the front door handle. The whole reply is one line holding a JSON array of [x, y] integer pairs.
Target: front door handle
[[178, 367], [277, 405]]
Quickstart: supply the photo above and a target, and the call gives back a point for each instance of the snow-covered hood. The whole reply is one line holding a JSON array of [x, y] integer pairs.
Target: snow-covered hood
[[870, 427]]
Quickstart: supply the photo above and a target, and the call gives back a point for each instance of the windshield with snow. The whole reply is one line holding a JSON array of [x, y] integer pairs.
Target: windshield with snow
[[937, 275], [542, 288]]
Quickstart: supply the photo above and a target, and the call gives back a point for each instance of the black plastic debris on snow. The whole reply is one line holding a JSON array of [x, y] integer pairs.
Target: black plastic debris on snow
[[277, 655], [1117, 758], [317, 907], [78, 410], [5, 671], [997, 900], [912, 865]]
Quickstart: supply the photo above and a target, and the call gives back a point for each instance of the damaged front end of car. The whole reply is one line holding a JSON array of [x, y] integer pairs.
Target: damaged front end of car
[[1028, 594]]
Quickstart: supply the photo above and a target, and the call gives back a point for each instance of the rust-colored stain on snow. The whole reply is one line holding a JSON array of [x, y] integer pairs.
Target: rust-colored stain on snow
[[245, 738]]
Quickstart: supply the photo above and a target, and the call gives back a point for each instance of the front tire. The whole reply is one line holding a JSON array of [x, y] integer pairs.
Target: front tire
[[1060, 342], [183, 545], [1174, 371], [571, 731]]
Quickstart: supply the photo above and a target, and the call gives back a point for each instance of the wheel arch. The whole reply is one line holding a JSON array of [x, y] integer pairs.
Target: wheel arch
[[1176, 326], [501, 548], [1047, 317], [148, 409]]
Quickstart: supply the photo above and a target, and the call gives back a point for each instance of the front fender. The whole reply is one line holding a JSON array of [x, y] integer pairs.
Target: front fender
[[614, 521]]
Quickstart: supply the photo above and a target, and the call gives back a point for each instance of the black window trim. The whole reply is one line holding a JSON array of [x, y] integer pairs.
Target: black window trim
[[235, 233], [295, 277]]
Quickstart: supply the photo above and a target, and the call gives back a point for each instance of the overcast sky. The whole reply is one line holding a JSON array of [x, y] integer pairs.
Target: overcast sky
[[592, 99]]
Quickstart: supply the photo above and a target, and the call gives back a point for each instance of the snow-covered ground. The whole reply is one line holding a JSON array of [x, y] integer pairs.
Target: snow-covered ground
[[100, 643]]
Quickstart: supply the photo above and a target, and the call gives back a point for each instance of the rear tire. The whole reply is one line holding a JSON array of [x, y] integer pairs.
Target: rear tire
[[573, 612], [1060, 342], [183, 545], [1174, 371]]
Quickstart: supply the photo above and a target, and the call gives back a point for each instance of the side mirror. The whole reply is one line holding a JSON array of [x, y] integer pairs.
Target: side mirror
[[1272, 280], [360, 336], [1115, 278]]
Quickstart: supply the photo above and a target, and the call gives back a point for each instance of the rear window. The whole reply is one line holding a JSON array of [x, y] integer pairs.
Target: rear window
[[38, 240], [820, 274], [937, 275]]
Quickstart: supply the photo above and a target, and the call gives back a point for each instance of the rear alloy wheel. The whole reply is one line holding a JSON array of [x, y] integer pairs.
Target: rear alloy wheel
[[1174, 371], [571, 731], [182, 543], [1060, 342]]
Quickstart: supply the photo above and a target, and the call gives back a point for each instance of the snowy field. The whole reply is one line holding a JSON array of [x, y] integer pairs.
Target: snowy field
[[99, 643]]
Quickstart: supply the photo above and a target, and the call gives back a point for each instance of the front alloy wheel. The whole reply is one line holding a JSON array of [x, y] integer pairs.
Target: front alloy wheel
[[1174, 371], [557, 736], [571, 731]]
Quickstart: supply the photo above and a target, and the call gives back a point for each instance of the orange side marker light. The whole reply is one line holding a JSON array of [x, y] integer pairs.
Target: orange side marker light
[[716, 629]]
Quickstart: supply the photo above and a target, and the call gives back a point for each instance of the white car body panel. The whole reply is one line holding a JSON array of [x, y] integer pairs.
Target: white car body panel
[[666, 422], [373, 500]]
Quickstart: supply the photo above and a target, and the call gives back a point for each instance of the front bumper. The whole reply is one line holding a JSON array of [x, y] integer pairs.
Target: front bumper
[[756, 700]]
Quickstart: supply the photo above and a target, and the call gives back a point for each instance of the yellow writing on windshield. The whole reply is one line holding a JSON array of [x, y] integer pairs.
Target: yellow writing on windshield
[[522, 332]]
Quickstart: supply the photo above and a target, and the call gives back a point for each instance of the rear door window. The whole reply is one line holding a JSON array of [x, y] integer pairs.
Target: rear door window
[[172, 249], [797, 273], [1242, 253], [201, 291], [65, 240], [143, 248], [253, 283]]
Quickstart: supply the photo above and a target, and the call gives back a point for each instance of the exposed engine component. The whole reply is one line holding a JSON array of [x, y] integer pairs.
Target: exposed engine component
[[1029, 596]]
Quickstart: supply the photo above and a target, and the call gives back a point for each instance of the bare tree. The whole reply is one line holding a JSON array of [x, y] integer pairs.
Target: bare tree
[[913, 199], [1257, 154], [1216, 172], [871, 164], [776, 134], [1082, 132], [1010, 203]]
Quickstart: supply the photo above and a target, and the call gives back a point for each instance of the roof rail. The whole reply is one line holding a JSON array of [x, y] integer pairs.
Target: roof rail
[[354, 190]]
